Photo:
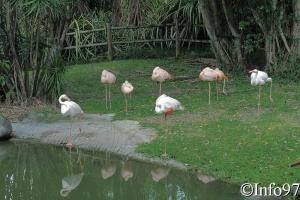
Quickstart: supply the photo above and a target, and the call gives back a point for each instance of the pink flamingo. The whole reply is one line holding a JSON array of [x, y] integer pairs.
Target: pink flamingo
[[107, 78], [210, 75], [126, 88], [70, 108], [221, 76], [167, 105], [260, 78], [160, 75]]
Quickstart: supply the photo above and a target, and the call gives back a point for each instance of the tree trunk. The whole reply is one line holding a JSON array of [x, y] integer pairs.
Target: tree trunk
[[296, 28], [237, 38], [211, 31], [11, 30]]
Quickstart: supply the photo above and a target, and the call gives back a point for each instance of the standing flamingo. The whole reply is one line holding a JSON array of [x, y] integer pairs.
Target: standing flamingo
[[167, 105], [260, 78], [221, 76], [210, 75], [70, 108], [126, 88], [160, 75], [107, 78]]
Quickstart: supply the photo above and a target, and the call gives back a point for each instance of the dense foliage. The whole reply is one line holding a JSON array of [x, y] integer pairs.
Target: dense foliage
[[242, 34]]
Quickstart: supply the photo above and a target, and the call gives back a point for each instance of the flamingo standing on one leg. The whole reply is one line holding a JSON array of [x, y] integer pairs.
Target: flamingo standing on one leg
[[126, 88], [167, 105], [260, 78], [160, 75], [70, 108], [210, 75], [221, 76], [107, 78]]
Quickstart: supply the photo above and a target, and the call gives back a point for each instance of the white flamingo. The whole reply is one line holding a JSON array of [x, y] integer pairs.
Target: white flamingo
[[260, 78], [167, 105], [69, 183], [70, 108]]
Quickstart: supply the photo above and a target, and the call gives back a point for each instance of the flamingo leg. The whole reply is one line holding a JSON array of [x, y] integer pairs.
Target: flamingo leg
[[271, 92], [224, 87], [79, 122], [106, 95], [209, 92], [159, 88], [166, 141], [69, 144], [258, 104], [126, 102], [217, 87], [109, 96]]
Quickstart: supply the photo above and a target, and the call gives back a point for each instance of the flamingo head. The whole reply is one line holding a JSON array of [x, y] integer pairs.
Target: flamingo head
[[253, 71], [65, 97]]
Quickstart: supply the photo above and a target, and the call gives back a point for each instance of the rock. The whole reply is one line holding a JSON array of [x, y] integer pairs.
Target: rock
[[5, 129]]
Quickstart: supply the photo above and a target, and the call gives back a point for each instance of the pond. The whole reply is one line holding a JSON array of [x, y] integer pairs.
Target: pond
[[35, 171]]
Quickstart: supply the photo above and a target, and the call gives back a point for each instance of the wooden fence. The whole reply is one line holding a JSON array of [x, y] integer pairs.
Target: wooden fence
[[110, 42]]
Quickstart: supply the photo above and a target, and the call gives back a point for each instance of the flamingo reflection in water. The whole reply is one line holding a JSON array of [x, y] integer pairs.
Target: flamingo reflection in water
[[69, 183], [108, 169], [205, 178], [72, 181], [159, 173], [126, 171]]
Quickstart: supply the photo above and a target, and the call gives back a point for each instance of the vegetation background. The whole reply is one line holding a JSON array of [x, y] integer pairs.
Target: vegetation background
[[227, 139]]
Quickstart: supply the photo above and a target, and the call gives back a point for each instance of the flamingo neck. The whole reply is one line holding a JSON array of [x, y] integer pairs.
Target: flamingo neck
[[62, 102]]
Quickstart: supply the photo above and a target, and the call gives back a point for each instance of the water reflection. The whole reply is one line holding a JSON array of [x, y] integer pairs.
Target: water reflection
[[30, 171], [73, 179], [126, 170], [159, 172], [69, 183]]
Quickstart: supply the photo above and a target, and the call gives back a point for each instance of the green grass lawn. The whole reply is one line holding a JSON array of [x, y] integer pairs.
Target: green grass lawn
[[226, 139]]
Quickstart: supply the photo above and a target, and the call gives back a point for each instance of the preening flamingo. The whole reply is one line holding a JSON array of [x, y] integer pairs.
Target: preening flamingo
[[126, 88], [221, 76], [208, 74], [260, 78], [70, 108], [167, 105], [69, 183], [160, 75], [107, 78], [159, 172]]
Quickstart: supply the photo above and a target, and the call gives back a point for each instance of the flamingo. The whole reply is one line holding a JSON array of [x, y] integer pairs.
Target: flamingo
[[160, 75], [126, 172], [159, 172], [221, 76], [167, 105], [108, 170], [260, 78], [70, 108], [210, 75], [107, 78], [69, 183], [126, 88]]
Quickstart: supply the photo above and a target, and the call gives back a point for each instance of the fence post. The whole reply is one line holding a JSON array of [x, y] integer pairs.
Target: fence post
[[177, 44], [109, 41]]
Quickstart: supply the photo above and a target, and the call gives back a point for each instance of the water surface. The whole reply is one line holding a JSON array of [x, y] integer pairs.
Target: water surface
[[35, 171]]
